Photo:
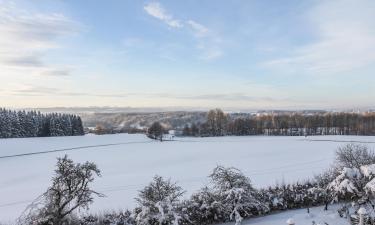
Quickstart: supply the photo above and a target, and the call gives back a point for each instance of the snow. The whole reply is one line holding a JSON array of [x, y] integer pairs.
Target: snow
[[343, 183], [128, 163], [300, 217], [290, 221], [362, 211], [370, 186], [368, 171], [346, 186], [351, 173]]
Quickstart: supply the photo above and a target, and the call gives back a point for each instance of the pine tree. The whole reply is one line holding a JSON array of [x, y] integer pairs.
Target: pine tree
[[15, 124]]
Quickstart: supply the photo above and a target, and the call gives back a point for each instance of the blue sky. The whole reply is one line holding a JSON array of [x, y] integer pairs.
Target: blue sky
[[202, 54]]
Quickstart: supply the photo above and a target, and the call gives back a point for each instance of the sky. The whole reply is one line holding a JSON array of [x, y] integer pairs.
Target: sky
[[250, 54]]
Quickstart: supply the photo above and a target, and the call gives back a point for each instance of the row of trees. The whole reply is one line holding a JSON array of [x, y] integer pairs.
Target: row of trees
[[293, 124], [101, 130], [230, 195], [16, 124]]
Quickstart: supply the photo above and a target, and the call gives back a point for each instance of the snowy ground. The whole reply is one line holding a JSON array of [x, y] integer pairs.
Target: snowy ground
[[300, 217], [128, 163]]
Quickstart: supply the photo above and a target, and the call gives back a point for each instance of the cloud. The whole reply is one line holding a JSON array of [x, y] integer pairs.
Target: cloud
[[208, 99], [56, 72], [208, 43], [198, 29], [345, 39], [230, 97], [24, 61], [35, 91], [156, 10], [26, 36], [38, 90]]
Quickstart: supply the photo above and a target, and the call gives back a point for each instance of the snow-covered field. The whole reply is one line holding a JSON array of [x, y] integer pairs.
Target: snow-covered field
[[128, 163]]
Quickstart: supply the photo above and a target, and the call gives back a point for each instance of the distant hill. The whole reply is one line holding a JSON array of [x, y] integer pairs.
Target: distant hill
[[142, 120], [128, 118]]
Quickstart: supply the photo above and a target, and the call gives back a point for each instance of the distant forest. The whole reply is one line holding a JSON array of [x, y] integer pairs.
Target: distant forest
[[290, 124], [16, 124]]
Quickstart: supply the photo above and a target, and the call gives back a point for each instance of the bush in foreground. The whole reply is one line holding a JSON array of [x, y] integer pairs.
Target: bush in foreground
[[159, 203], [69, 192]]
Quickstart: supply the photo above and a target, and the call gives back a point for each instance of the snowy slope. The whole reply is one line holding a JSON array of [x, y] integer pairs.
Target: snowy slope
[[128, 162]]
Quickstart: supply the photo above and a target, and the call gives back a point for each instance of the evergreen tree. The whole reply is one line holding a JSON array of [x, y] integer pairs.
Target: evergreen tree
[[15, 124]]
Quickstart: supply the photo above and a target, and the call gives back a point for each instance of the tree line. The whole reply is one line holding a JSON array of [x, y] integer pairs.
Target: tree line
[[219, 123], [229, 196], [18, 124]]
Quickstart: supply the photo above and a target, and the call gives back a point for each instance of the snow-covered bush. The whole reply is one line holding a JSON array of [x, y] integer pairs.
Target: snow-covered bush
[[112, 218], [204, 208], [69, 192], [236, 194], [293, 196], [159, 203], [349, 184], [355, 185], [354, 156]]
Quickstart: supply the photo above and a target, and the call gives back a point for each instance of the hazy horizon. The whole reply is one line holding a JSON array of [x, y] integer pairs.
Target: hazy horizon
[[243, 55], [116, 109]]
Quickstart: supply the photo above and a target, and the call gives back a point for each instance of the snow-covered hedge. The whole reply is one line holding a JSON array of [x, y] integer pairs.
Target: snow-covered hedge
[[229, 197]]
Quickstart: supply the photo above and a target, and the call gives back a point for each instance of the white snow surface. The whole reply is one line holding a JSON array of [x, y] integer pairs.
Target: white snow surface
[[128, 163], [368, 170], [300, 217]]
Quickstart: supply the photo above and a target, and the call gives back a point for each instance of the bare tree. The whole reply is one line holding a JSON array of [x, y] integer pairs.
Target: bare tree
[[99, 129], [354, 156], [70, 191], [156, 131], [217, 122]]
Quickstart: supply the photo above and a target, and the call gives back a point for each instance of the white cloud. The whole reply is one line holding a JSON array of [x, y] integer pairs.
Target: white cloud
[[26, 37], [156, 10], [207, 42], [198, 29], [345, 32]]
